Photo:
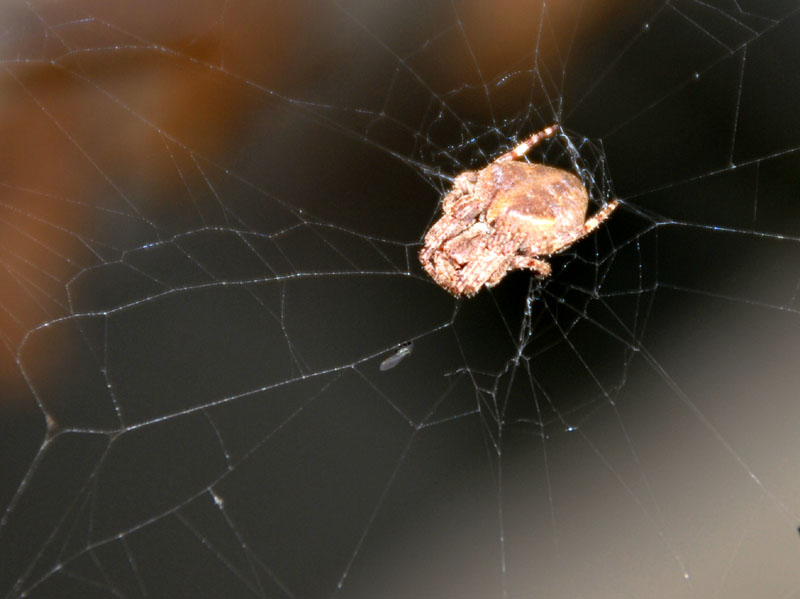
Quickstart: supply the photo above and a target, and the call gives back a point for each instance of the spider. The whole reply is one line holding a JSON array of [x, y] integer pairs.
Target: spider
[[506, 216]]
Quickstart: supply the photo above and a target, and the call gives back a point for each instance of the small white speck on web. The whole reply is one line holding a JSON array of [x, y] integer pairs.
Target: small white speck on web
[[401, 352]]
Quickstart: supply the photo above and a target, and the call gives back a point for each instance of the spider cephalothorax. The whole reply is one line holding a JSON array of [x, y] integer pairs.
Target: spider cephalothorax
[[504, 217]]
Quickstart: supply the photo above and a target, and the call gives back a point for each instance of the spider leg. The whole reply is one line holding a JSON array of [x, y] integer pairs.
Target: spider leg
[[489, 266], [442, 230], [538, 266], [589, 226], [529, 143], [600, 216]]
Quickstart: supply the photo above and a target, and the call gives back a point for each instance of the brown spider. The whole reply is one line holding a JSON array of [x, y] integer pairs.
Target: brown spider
[[504, 217]]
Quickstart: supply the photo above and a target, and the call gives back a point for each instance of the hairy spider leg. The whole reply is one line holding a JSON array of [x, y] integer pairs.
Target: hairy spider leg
[[471, 277], [589, 226], [541, 268], [528, 144], [601, 215]]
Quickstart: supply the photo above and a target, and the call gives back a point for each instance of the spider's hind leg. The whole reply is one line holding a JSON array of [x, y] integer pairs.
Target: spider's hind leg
[[524, 147], [600, 216], [588, 227], [541, 268]]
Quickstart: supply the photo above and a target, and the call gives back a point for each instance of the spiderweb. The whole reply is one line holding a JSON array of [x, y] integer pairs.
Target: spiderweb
[[208, 235]]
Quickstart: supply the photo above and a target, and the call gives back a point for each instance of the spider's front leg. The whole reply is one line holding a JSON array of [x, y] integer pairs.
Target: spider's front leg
[[441, 231], [490, 264]]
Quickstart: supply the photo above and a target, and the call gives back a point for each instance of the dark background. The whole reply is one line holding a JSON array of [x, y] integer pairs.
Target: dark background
[[208, 234]]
